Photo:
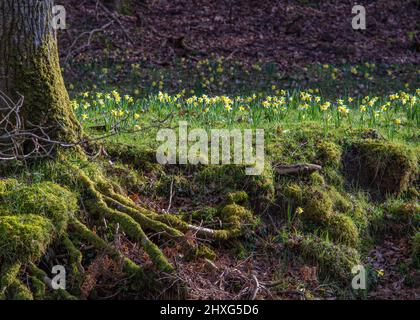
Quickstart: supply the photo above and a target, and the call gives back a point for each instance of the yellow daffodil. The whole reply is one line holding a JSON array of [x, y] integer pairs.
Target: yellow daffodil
[[343, 109], [397, 122], [299, 210]]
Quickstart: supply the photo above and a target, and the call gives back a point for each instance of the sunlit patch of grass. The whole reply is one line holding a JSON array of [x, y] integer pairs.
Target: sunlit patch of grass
[[394, 115]]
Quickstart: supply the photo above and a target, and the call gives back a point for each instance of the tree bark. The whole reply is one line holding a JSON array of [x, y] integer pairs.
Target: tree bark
[[29, 66]]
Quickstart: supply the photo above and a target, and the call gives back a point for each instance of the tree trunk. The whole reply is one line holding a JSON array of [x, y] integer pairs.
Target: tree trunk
[[29, 66]]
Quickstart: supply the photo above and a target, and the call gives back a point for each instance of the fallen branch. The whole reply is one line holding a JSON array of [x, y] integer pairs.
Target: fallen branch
[[113, 17], [304, 168]]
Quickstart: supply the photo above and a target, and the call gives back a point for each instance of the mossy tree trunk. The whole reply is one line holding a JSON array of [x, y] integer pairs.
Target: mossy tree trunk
[[29, 66]]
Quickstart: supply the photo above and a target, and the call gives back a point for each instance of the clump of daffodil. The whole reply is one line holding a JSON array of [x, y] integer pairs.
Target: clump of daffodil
[[116, 96], [325, 106], [74, 105]]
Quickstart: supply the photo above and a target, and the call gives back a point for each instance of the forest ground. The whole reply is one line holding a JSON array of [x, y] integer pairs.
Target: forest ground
[[288, 53]]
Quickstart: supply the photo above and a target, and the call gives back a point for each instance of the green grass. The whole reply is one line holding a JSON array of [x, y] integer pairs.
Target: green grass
[[395, 116], [220, 93]]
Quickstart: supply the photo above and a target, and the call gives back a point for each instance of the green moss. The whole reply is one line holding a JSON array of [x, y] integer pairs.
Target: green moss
[[38, 78], [179, 183], [415, 249], [359, 217], [8, 274], [327, 209], [18, 291], [340, 202], [24, 237], [123, 176], [235, 219], [8, 185], [141, 159], [329, 154], [46, 199], [204, 251], [87, 235], [317, 179], [343, 230], [334, 261], [239, 197], [207, 214], [314, 200], [318, 204], [38, 288], [333, 177], [381, 167], [294, 192], [230, 178]]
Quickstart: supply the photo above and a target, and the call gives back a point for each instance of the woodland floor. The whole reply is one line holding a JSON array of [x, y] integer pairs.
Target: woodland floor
[[171, 46], [291, 35]]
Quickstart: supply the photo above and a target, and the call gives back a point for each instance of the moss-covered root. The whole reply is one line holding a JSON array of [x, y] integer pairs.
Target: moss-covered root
[[10, 284], [81, 231], [8, 275], [18, 291], [134, 219], [175, 227], [134, 230], [141, 217], [75, 256]]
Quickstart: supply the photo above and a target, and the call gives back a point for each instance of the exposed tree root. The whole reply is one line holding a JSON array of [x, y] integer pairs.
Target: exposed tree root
[[9, 272], [103, 200], [86, 234]]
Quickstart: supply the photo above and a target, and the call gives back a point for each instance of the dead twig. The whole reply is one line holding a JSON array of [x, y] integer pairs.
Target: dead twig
[[90, 34], [256, 288]]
